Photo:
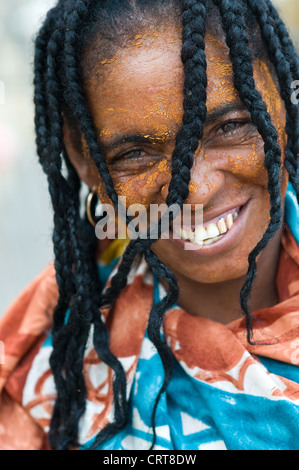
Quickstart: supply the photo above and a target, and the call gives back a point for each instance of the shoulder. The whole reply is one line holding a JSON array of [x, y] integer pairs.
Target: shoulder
[[32, 311], [23, 329], [26, 322]]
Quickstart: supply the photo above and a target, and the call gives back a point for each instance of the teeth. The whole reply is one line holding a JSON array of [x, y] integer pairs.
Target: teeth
[[209, 241], [229, 221], [222, 226], [208, 235], [190, 235], [184, 234], [177, 231], [199, 234], [212, 231]]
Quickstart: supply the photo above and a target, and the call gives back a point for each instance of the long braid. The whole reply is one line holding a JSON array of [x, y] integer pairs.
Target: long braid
[[49, 146], [68, 340], [187, 140], [76, 101], [75, 98], [74, 93], [284, 37], [59, 188], [64, 219], [285, 77], [43, 136], [194, 60], [237, 40]]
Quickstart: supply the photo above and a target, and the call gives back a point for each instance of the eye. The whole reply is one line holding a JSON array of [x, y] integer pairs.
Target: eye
[[235, 129], [230, 126], [133, 155], [232, 131], [128, 156], [134, 160]]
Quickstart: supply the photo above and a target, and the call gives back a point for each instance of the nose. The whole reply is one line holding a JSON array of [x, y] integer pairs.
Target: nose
[[207, 180]]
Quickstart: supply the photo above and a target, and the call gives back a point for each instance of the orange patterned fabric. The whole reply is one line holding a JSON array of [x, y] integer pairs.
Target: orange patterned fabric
[[22, 330], [27, 324]]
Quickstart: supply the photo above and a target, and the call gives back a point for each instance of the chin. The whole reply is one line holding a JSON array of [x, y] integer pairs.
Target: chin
[[208, 271]]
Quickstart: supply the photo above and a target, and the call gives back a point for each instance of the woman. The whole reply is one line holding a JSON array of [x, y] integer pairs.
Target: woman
[[189, 341]]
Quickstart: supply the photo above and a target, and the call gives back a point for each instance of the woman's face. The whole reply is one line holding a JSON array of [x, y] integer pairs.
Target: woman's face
[[136, 100]]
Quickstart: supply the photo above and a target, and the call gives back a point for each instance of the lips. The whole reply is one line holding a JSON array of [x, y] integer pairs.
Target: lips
[[211, 230], [215, 233]]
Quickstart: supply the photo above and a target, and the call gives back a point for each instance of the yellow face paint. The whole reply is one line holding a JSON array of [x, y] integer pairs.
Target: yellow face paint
[[139, 92]]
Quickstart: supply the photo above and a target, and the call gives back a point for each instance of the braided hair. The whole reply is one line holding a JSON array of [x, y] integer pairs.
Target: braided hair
[[59, 91]]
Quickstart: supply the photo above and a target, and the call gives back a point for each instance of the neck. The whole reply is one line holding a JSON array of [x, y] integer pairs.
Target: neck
[[199, 299]]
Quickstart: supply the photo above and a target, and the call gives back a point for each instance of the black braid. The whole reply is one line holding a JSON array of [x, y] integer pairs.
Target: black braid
[[74, 94], [279, 56], [69, 340], [284, 37], [237, 40], [64, 217], [42, 124], [71, 403], [194, 60]]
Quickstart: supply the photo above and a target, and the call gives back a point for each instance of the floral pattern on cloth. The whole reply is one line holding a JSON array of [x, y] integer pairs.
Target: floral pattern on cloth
[[223, 392]]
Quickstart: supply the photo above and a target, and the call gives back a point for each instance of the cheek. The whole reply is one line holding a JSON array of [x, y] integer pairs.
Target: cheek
[[102, 193], [143, 188], [249, 165], [267, 87], [193, 187], [246, 164]]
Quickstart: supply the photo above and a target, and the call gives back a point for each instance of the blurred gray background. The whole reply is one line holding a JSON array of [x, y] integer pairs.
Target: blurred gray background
[[25, 210]]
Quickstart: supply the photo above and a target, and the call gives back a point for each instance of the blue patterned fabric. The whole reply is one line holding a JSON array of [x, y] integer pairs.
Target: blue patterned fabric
[[195, 415], [292, 212]]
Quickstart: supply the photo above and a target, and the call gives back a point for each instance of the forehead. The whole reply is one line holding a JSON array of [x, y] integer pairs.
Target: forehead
[[142, 85], [140, 80]]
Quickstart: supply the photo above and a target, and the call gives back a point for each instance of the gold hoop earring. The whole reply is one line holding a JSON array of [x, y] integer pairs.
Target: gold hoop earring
[[89, 205]]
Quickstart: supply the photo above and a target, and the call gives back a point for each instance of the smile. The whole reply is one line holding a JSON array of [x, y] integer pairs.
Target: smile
[[215, 235]]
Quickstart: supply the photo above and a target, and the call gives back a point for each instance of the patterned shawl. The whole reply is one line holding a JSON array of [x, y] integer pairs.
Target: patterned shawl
[[223, 393]]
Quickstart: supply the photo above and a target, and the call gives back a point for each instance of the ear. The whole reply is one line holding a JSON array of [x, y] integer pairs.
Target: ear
[[78, 155]]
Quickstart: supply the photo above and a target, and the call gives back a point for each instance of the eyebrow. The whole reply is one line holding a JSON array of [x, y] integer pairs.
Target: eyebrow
[[147, 138], [223, 110], [138, 138]]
